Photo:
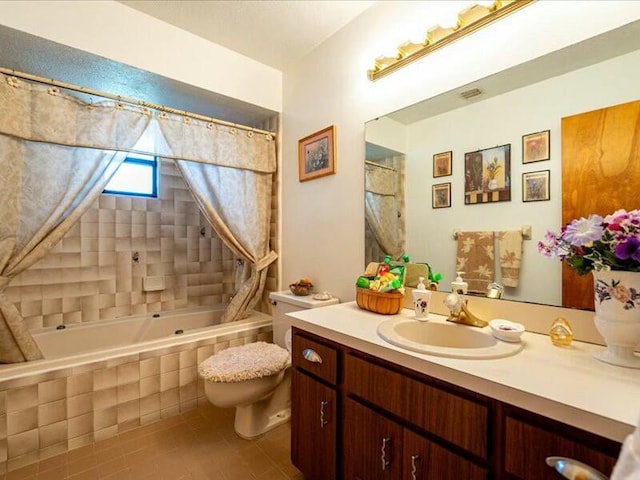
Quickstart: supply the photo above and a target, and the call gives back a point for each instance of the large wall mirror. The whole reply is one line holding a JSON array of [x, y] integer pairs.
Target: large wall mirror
[[530, 98]]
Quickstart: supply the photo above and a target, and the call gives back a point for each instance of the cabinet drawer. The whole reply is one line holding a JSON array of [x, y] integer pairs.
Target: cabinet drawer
[[314, 357], [527, 447], [451, 417]]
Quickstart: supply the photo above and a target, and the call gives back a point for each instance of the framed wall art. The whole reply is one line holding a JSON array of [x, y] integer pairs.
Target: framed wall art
[[535, 147], [441, 195], [442, 164], [535, 186], [487, 175], [317, 154]]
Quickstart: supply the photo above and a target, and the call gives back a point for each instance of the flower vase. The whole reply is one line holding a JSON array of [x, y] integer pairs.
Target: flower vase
[[493, 184], [617, 318]]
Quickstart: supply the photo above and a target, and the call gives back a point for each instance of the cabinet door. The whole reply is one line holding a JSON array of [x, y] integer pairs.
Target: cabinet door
[[528, 446], [372, 444], [423, 459], [313, 427]]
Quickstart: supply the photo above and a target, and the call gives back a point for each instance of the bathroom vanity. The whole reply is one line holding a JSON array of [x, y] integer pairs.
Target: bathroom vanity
[[365, 409]]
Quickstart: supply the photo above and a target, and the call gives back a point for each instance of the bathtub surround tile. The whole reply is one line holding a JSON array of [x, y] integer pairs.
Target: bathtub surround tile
[[52, 412], [79, 405], [188, 393], [188, 376], [128, 392], [52, 390], [105, 398], [128, 411], [22, 420], [187, 358], [22, 443], [117, 361], [106, 378], [80, 383], [80, 426], [21, 398], [149, 404], [148, 367], [105, 418], [106, 433], [169, 398], [169, 380], [169, 362], [53, 434], [127, 373], [78, 442], [25, 464], [149, 385]]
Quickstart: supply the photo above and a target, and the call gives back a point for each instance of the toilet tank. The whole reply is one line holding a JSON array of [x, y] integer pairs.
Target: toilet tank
[[285, 302]]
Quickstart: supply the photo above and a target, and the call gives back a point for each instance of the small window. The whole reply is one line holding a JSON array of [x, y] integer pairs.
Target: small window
[[137, 176]]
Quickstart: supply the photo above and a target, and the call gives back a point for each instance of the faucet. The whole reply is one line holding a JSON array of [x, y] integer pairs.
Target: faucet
[[459, 311]]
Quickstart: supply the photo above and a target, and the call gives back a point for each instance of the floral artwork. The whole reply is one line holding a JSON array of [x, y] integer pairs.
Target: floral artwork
[[488, 175], [317, 154], [535, 147], [597, 243], [628, 296]]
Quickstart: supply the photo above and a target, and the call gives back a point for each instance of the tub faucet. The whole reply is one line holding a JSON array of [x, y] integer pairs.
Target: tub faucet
[[459, 311]]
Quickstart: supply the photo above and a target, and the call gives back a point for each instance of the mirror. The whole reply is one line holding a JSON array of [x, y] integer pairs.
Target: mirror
[[526, 99]]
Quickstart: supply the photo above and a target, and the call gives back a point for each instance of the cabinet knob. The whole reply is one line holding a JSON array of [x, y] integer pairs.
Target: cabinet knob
[[383, 458], [570, 468], [414, 466], [274, 303], [323, 420], [311, 355]]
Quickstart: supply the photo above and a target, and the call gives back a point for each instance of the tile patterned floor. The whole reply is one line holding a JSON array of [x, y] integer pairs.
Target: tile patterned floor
[[197, 445]]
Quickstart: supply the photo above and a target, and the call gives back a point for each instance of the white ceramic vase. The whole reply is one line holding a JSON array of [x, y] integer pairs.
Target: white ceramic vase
[[617, 302]]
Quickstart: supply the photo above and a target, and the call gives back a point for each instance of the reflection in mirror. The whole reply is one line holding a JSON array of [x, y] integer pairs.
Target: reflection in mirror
[[529, 98]]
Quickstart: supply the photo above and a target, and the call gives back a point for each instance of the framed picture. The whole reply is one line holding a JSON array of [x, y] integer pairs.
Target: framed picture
[[442, 164], [487, 175], [535, 186], [441, 195], [535, 147], [317, 154]]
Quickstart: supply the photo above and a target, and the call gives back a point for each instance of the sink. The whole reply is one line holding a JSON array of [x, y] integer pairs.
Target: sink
[[445, 339]]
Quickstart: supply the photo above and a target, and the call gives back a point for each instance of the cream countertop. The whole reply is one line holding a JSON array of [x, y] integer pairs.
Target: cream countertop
[[565, 384]]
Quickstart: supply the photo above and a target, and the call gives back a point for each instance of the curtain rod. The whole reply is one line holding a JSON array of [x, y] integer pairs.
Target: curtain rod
[[374, 164], [141, 103]]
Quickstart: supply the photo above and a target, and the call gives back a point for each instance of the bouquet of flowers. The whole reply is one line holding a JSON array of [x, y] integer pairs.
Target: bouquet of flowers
[[596, 243]]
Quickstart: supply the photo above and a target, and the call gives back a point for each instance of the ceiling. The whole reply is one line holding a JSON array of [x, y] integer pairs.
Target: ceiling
[[273, 32]]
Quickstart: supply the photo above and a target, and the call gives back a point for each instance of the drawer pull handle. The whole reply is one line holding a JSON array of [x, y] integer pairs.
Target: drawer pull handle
[[414, 466], [385, 463], [323, 421], [570, 468], [311, 355]]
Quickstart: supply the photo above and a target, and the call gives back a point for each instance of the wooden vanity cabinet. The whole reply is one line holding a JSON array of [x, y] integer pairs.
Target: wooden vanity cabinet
[[357, 417], [314, 408]]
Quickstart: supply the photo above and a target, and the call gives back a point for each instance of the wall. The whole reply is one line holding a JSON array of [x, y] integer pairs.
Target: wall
[[120, 33], [323, 220], [498, 121]]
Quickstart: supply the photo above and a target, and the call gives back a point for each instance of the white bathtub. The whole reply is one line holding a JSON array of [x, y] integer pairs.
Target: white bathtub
[[80, 344], [102, 379]]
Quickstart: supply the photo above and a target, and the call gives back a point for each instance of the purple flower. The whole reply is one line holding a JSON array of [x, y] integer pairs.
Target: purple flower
[[629, 249], [584, 231]]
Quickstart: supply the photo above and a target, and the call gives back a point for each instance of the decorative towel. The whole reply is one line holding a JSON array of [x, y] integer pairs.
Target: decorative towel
[[628, 464], [253, 360], [476, 259], [510, 248]]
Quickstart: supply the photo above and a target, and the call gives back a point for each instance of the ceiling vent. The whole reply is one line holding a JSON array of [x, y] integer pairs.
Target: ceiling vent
[[474, 92]]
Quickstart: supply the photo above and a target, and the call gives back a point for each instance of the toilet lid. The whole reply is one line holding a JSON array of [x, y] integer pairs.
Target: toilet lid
[[253, 360]]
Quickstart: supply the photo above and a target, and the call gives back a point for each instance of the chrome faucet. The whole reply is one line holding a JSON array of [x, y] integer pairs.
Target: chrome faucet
[[459, 311]]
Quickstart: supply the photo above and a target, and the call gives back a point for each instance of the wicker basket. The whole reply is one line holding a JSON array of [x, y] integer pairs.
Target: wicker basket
[[378, 302]]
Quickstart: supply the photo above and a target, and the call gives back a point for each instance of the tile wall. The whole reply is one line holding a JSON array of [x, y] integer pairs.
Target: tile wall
[[96, 271], [49, 414]]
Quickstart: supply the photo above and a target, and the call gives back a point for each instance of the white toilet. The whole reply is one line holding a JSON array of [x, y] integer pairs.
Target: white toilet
[[255, 378]]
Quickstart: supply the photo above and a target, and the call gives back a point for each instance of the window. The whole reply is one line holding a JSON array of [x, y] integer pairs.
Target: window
[[137, 176]]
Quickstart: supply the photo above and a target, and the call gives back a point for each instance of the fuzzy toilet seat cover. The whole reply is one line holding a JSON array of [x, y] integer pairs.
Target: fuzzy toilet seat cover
[[246, 362]]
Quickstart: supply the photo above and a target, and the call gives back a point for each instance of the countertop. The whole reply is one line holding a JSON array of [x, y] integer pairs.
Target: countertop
[[565, 384]]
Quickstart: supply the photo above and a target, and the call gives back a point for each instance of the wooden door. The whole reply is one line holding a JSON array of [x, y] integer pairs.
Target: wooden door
[[424, 460], [372, 444], [600, 174], [313, 427]]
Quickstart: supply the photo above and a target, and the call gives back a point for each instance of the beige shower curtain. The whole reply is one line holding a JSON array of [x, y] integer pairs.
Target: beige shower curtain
[[237, 203], [45, 185]]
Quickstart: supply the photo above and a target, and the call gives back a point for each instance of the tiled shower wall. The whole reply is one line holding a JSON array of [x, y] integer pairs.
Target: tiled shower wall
[[96, 271], [48, 414]]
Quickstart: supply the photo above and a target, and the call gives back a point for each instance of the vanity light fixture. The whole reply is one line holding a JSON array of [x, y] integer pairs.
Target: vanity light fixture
[[478, 15]]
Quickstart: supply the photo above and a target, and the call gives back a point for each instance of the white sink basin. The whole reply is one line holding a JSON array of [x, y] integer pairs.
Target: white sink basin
[[437, 337]]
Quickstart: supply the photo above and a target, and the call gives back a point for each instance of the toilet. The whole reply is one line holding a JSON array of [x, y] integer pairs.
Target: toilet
[[255, 378]]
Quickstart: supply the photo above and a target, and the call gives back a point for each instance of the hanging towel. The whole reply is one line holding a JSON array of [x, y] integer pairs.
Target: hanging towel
[[510, 248], [628, 465], [476, 259]]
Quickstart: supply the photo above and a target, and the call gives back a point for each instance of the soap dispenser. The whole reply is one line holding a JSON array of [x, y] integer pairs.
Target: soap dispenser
[[459, 286], [421, 300]]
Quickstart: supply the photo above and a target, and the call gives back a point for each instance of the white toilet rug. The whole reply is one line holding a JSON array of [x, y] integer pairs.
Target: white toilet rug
[[253, 360]]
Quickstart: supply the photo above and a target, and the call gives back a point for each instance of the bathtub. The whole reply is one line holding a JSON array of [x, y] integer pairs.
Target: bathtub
[[100, 379]]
